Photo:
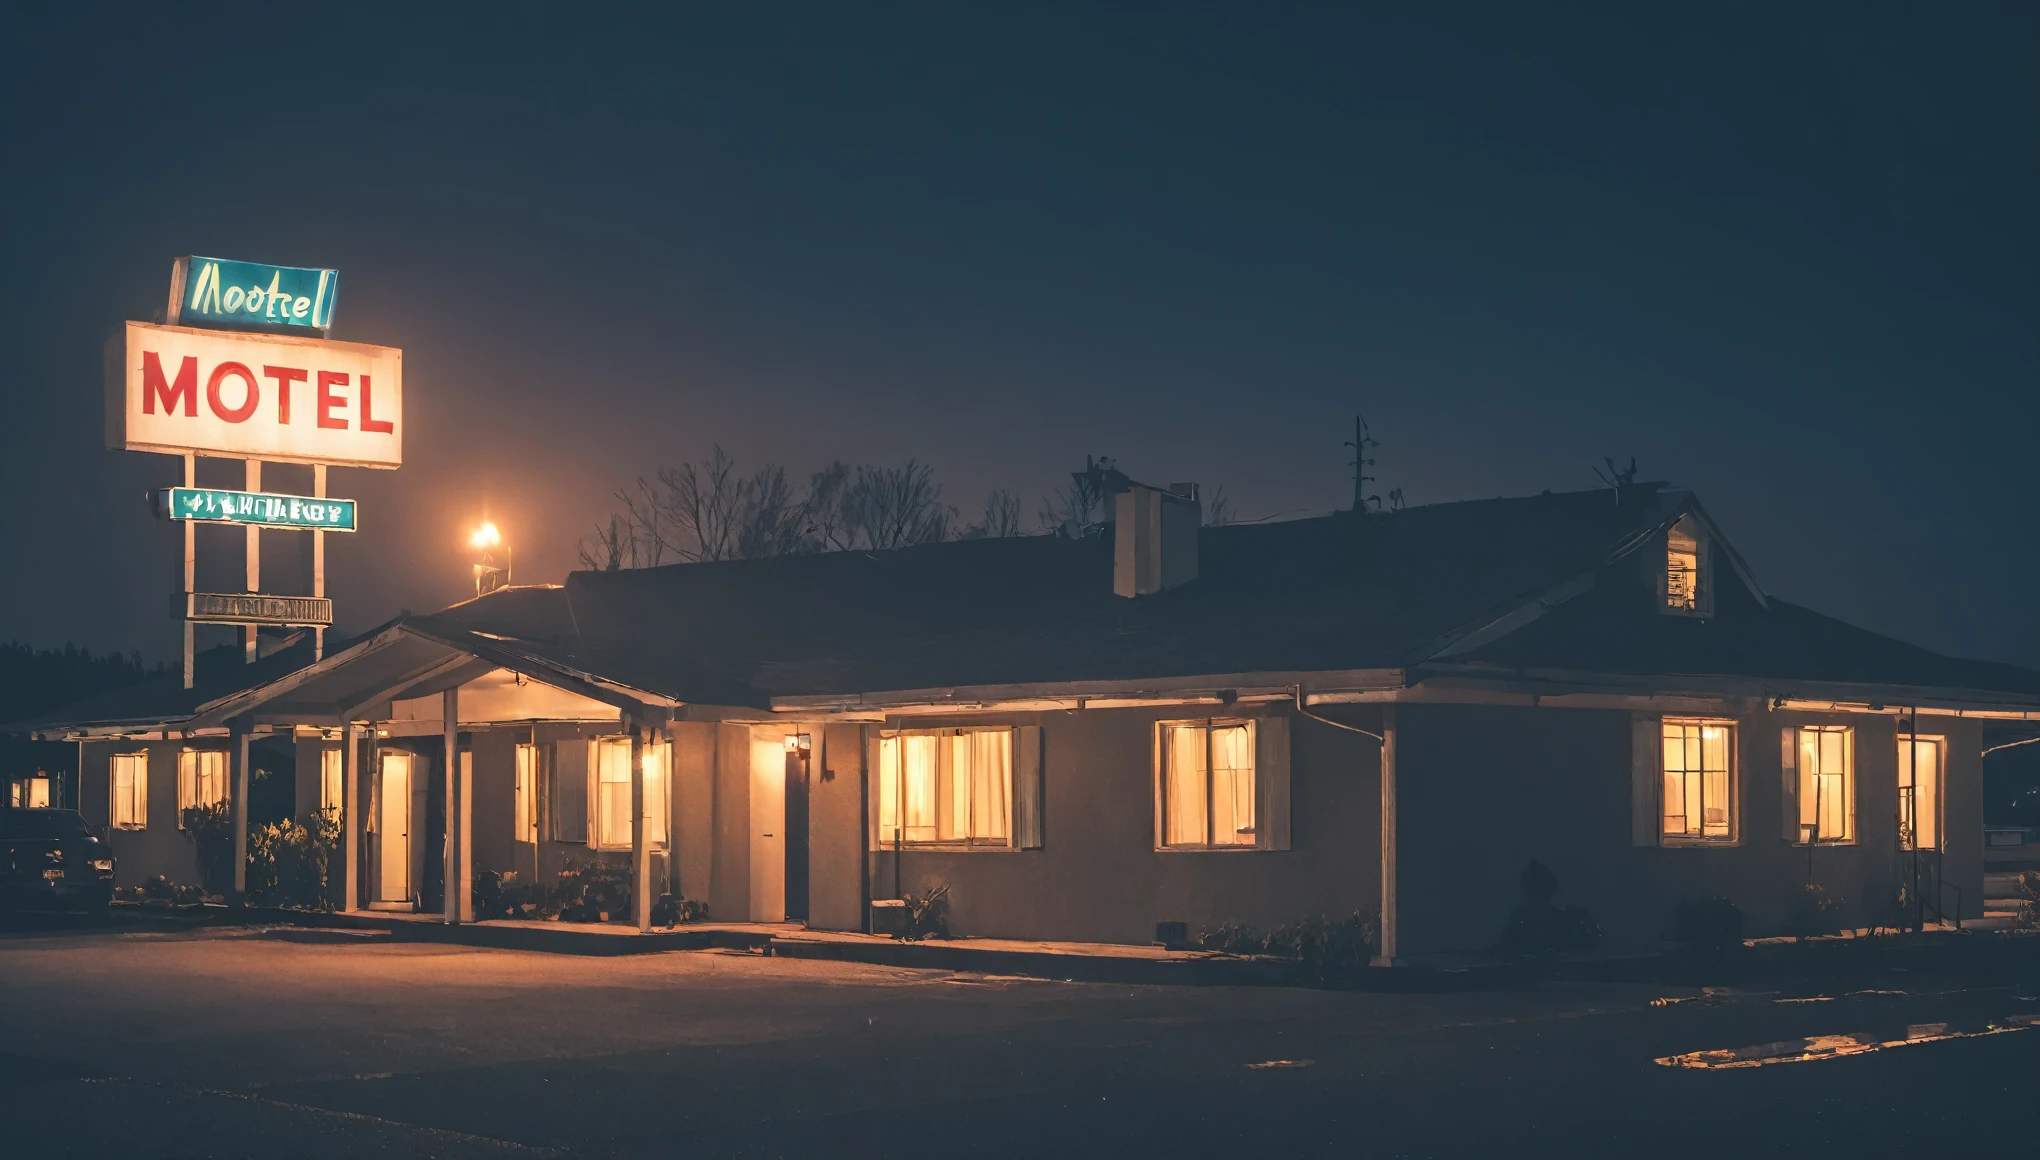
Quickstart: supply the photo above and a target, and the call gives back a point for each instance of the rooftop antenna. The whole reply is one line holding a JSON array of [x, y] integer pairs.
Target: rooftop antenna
[[1615, 477]]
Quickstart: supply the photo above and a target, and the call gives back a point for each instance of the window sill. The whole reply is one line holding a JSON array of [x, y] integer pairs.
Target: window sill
[[1829, 842], [950, 848], [1212, 850], [1669, 843]]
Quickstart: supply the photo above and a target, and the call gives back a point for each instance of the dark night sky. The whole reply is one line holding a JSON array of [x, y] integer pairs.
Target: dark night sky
[[1787, 261]]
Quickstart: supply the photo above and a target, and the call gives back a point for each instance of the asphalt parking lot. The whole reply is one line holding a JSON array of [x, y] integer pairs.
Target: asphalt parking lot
[[236, 1042]]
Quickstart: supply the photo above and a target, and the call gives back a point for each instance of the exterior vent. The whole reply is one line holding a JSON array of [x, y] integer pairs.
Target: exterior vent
[[1154, 538]]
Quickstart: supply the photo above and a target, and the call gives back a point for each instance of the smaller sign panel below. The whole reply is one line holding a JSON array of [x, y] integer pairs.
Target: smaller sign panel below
[[254, 507], [219, 293], [255, 608]]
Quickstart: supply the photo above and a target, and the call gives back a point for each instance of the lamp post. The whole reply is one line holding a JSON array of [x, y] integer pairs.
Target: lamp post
[[490, 575]]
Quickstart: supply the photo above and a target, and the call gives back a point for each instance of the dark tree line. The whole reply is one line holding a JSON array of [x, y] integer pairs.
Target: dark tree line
[[34, 680], [710, 509]]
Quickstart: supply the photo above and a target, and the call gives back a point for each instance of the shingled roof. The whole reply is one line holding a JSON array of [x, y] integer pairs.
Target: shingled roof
[[1540, 583], [1383, 591]]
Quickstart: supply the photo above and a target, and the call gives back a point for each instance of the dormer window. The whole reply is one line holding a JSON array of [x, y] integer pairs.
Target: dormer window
[[1688, 586]]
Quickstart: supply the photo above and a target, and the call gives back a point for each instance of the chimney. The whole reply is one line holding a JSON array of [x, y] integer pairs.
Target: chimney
[[1155, 538]]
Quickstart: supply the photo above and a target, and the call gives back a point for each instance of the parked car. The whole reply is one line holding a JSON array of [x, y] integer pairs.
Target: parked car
[[51, 860]]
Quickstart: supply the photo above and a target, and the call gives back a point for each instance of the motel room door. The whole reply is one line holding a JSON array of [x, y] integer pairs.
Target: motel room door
[[393, 831], [768, 815]]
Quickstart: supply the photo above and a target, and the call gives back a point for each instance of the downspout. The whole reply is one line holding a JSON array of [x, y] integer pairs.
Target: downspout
[[1385, 916]]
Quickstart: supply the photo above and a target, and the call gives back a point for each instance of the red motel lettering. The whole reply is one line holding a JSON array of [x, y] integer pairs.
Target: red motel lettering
[[328, 401], [153, 387], [284, 377], [212, 393]]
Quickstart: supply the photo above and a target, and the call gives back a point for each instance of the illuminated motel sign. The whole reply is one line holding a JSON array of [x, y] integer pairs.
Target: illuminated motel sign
[[241, 369], [181, 390]]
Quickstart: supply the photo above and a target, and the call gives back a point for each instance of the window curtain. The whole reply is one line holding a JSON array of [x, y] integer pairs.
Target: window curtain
[[920, 757], [332, 794], [1232, 785], [991, 782], [1183, 786], [130, 797]]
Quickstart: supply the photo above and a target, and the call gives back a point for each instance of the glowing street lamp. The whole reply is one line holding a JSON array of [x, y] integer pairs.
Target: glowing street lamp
[[489, 574]]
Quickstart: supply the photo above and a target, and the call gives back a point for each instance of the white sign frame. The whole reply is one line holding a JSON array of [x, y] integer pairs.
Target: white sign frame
[[182, 390]]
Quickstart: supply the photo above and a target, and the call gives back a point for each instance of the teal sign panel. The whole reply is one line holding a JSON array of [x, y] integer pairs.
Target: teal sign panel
[[229, 295], [258, 508]]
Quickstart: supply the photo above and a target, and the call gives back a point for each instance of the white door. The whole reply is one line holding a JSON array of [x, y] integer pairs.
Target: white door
[[393, 829], [768, 826]]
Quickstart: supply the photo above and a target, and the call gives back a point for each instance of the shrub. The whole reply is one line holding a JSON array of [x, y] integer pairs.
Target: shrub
[[1326, 948], [671, 910], [211, 830], [1815, 912], [158, 889], [593, 891], [1234, 939], [289, 862], [1710, 926], [2029, 898], [927, 915]]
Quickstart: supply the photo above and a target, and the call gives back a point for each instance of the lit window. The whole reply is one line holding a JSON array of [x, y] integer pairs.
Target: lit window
[[527, 788], [130, 791], [956, 786], [1207, 785], [1699, 781], [36, 793], [332, 782], [1687, 590], [1827, 783], [1919, 792], [612, 794], [201, 780]]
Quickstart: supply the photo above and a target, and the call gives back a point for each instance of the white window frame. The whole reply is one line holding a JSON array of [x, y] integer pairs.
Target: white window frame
[[944, 805], [609, 829], [1908, 812], [194, 777], [1815, 784], [1165, 755], [1696, 727], [1700, 601], [136, 797]]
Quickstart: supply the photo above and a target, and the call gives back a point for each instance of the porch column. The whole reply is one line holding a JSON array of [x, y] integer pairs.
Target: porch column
[[640, 850], [238, 756], [350, 817], [1388, 949], [456, 861]]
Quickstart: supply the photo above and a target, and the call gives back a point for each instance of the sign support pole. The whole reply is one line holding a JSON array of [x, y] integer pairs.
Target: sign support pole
[[190, 566], [318, 561], [254, 561]]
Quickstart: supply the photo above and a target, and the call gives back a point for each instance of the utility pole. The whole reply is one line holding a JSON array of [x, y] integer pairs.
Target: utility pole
[[1363, 439]]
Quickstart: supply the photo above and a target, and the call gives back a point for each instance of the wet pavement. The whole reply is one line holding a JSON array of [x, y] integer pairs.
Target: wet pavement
[[231, 1042]]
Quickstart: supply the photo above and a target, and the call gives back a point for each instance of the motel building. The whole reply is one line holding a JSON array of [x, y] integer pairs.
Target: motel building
[[1156, 721]]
